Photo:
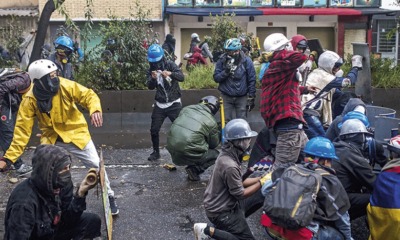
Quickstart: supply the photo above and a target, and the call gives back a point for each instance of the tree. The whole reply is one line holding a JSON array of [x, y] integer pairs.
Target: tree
[[48, 9]]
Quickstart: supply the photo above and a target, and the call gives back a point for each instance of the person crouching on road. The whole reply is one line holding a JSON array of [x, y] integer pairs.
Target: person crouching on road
[[52, 100], [227, 199], [163, 75], [236, 77], [331, 219], [44, 206], [193, 137]]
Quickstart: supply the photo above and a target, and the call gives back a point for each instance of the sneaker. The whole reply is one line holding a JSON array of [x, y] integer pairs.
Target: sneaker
[[192, 174], [155, 155], [113, 206], [24, 169], [198, 230]]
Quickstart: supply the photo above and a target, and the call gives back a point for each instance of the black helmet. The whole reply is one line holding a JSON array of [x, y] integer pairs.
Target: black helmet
[[238, 129], [212, 102]]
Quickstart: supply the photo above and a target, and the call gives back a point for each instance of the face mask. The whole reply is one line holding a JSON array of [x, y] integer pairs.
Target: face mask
[[358, 140], [339, 73], [63, 179]]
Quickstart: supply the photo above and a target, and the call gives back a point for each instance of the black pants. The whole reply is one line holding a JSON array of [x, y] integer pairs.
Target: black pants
[[157, 119], [359, 203], [7, 125], [232, 225], [88, 226]]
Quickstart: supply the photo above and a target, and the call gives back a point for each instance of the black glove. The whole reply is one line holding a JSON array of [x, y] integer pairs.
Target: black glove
[[7, 166], [228, 69], [250, 103]]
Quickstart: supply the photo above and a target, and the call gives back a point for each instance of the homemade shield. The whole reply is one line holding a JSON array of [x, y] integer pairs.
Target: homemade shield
[[363, 83]]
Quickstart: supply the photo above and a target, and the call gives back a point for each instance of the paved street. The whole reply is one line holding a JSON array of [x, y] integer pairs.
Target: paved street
[[154, 203]]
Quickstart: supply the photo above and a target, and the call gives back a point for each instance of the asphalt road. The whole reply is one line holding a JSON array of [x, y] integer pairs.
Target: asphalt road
[[154, 203]]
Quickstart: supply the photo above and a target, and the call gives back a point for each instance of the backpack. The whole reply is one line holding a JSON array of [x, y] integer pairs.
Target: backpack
[[291, 203]]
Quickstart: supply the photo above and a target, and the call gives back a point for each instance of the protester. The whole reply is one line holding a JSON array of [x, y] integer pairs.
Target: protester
[[12, 87], [163, 75], [280, 99], [52, 100], [23, 54], [169, 47], [5, 55], [78, 50], [236, 76], [384, 208], [44, 205], [300, 43], [330, 219], [352, 169], [205, 49], [46, 51], [328, 79], [195, 60], [193, 43], [62, 57], [228, 200], [193, 137]]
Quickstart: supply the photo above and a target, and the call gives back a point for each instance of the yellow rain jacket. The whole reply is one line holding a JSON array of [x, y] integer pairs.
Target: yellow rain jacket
[[65, 119]]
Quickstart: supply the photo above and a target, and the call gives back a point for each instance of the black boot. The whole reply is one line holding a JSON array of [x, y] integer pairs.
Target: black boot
[[155, 155], [192, 173]]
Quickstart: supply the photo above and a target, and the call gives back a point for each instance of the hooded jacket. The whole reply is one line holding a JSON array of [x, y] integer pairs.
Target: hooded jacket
[[65, 119], [169, 47], [9, 90], [64, 70], [334, 131], [171, 90], [241, 83], [197, 58], [352, 169], [192, 134], [32, 206]]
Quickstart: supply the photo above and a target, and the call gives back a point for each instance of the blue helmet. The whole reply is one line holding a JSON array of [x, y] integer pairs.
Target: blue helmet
[[321, 147], [232, 44], [155, 53], [355, 115], [66, 42]]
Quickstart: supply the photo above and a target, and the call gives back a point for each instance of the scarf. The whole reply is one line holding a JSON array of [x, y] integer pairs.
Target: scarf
[[44, 90]]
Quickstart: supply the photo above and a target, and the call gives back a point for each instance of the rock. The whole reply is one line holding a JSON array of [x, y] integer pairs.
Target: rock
[[13, 180], [122, 181]]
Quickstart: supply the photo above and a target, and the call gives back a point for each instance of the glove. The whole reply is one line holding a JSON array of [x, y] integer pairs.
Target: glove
[[309, 64], [265, 178], [356, 61], [85, 185], [250, 104], [313, 54], [5, 164], [228, 68], [265, 57]]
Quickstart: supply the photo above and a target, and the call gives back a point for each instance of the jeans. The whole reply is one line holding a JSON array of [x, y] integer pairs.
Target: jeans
[[234, 103], [315, 128], [88, 157], [88, 227], [232, 225], [157, 119], [7, 131], [288, 146]]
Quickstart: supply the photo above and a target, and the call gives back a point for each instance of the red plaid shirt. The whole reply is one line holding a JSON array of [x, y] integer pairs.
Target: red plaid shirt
[[280, 96]]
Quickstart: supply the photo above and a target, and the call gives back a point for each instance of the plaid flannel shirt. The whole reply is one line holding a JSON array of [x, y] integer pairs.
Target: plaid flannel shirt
[[280, 96]]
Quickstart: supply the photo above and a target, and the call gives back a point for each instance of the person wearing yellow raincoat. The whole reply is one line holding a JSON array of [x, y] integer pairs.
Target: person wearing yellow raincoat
[[52, 101]]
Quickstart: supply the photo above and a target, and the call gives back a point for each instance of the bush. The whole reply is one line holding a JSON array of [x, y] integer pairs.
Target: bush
[[223, 28], [200, 78]]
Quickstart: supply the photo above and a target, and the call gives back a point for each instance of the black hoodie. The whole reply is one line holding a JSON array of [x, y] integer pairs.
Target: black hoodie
[[32, 206]]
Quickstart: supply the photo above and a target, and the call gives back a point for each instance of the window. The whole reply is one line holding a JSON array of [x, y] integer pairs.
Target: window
[[386, 45]]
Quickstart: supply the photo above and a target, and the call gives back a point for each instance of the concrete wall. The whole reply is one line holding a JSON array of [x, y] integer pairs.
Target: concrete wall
[[127, 115]]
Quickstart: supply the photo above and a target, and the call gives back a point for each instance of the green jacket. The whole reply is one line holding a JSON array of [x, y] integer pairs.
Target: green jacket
[[192, 134]]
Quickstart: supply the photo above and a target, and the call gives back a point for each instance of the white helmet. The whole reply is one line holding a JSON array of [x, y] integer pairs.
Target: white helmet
[[195, 35], [277, 41], [40, 68]]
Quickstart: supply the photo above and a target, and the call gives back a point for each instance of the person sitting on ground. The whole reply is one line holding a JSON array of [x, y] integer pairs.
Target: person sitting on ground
[[163, 76], [62, 57], [228, 200], [384, 207], [44, 206], [193, 137], [195, 60], [328, 79], [12, 88], [331, 219], [353, 169]]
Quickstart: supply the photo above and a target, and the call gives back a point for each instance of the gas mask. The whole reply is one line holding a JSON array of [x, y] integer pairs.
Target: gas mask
[[49, 84], [243, 145]]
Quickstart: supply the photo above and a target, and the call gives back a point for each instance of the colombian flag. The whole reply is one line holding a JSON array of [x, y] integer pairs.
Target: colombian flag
[[384, 208]]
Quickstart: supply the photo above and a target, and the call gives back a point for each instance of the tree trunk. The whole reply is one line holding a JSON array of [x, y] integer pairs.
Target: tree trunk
[[48, 9]]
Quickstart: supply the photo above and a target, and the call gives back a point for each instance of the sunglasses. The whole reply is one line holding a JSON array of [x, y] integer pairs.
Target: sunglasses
[[230, 52], [66, 51]]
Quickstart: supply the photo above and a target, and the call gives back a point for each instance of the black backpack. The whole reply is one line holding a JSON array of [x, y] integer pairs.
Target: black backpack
[[291, 203]]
